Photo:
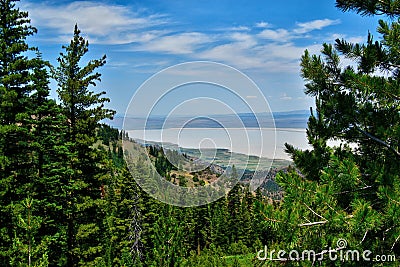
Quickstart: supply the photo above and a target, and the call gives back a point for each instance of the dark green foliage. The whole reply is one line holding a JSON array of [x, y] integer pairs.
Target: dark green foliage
[[241, 216], [174, 236], [30, 251], [182, 181], [206, 259], [162, 161], [119, 203], [371, 7], [344, 192], [15, 159], [66, 195], [107, 134], [49, 149], [86, 164], [227, 225], [29, 144]]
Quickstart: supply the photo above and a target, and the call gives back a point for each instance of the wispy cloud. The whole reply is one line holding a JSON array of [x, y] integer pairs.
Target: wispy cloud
[[247, 51], [244, 40], [351, 39], [281, 35], [233, 54], [257, 46], [239, 28], [285, 35], [103, 23], [318, 24], [180, 43]]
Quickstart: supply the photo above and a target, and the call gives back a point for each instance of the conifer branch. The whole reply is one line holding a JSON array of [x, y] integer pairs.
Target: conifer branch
[[397, 153], [320, 222], [312, 223], [314, 212], [397, 202], [271, 220], [352, 191]]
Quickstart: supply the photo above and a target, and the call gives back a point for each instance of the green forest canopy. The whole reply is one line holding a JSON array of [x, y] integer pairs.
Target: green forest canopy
[[67, 198]]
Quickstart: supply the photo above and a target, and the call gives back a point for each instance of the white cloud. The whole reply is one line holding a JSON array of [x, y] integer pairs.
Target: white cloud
[[266, 58], [301, 30], [262, 24], [289, 51], [232, 54], [314, 25], [356, 39], [266, 50], [279, 35], [181, 43], [239, 28], [103, 23], [351, 39], [243, 39], [260, 47]]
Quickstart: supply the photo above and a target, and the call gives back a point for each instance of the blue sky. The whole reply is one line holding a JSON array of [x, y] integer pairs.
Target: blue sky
[[262, 39]]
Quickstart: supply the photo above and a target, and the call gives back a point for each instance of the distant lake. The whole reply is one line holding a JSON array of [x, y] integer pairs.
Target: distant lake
[[250, 141]]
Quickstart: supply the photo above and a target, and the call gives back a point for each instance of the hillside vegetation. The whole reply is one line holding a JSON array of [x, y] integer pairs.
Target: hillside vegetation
[[68, 197]]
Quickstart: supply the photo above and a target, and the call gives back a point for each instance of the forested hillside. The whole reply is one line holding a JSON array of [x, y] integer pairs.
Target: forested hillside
[[69, 198], [66, 195]]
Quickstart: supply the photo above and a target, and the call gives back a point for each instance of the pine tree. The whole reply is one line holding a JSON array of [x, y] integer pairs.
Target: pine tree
[[27, 250], [122, 219], [17, 157], [86, 169], [168, 239], [246, 233], [48, 130], [344, 192], [219, 226], [234, 207]]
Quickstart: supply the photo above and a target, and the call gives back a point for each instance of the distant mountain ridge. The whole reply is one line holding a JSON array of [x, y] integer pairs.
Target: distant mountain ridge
[[288, 119]]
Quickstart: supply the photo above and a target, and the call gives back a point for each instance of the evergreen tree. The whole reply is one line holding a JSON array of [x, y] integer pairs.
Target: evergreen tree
[[121, 233], [234, 207], [344, 192], [49, 150], [246, 233], [20, 164], [219, 226], [168, 240], [87, 165], [27, 250], [120, 206]]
